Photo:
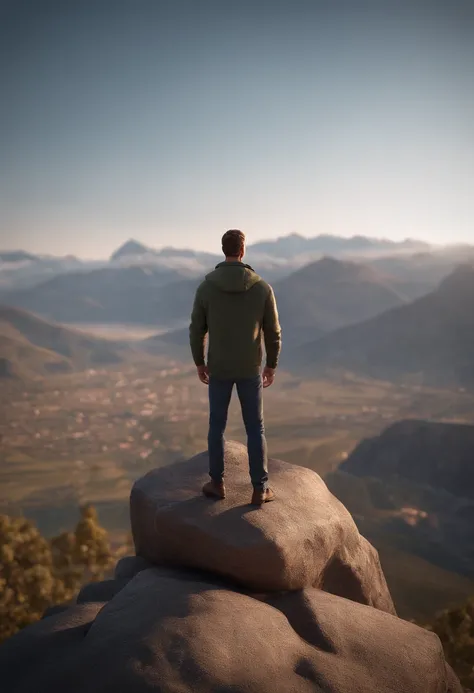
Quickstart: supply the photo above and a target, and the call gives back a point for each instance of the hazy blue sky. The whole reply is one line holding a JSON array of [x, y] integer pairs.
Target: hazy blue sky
[[172, 120]]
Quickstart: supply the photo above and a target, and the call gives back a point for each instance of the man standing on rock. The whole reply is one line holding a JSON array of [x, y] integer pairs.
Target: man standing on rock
[[234, 305]]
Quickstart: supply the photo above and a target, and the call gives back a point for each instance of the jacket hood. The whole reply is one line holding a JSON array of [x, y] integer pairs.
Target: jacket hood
[[233, 277]]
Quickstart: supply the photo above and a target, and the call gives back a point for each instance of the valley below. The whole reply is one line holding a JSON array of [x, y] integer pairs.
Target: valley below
[[77, 438]]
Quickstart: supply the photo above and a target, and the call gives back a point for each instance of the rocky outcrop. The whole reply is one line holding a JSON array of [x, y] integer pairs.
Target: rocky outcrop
[[170, 631], [306, 538], [424, 452], [224, 597], [419, 467]]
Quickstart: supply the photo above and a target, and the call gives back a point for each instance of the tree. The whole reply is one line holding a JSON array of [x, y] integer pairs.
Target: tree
[[36, 573], [27, 584], [84, 554], [455, 629], [92, 547]]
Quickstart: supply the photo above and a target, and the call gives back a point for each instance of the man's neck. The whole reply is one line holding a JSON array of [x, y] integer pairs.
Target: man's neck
[[233, 259]]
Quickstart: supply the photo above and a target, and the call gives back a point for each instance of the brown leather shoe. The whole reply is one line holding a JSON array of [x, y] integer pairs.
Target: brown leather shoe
[[260, 496], [213, 489]]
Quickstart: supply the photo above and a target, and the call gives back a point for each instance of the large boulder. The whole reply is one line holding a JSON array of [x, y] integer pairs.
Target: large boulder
[[168, 631], [29, 659], [305, 538]]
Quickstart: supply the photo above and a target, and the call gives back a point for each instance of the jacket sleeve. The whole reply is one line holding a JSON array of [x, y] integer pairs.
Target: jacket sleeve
[[271, 330], [198, 329]]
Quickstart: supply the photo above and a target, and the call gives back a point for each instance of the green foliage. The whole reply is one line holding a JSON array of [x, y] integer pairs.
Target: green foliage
[[36, 573], [455, 628], [83, 554], [27, 584]]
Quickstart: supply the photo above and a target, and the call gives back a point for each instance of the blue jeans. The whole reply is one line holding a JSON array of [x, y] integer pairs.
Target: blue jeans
[[251, 401]]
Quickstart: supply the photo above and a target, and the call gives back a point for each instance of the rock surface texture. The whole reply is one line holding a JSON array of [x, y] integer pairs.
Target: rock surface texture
[[306, 538], [224, 598], [170, 632]]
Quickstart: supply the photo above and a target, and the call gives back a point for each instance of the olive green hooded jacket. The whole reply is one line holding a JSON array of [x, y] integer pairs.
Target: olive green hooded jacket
[[234, 306]]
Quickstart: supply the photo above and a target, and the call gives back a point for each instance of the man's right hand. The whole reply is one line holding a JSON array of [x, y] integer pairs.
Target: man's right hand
[[268, 376], [203, 374]]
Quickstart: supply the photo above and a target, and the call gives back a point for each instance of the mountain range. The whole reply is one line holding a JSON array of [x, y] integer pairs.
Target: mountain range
[[295, 245], [276, 258], [290, 246], [315, 299], [31, 346], [328, 294], [406, 315], [135, 295], [429, 341], [20, 270], [137, 253]]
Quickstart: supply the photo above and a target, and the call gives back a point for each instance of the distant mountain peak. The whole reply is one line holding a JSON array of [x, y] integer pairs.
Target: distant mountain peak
[[334, 270], [328, 261], [14, 256], [130, 247]]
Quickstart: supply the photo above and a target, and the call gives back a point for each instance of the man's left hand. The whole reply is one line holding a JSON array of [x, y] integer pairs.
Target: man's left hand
[[203, 374], [268, 376]]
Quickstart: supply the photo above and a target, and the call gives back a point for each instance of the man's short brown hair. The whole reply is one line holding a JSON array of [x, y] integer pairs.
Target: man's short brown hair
[[233, 243]]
